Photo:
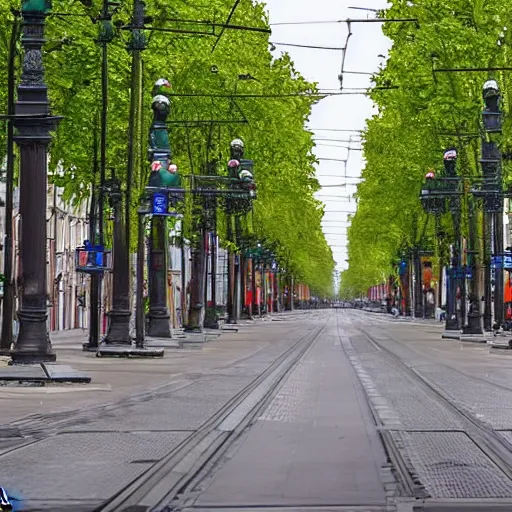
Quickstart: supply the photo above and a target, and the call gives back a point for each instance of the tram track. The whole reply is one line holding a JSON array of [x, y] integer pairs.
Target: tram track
[[491, 444], [428, 357], [492, 447], [409, 484], [172, 475]]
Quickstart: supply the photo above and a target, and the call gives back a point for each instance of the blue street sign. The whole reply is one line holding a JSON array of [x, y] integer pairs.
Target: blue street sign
[[504, 261], [497, 261], [460, 272], [160, 204]]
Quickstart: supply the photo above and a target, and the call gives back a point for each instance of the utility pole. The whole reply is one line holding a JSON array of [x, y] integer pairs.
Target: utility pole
[[8, 302], [139, 299], [210, 227], [237, 270], [231, 272], [105, 36], [474, 323], [184, 266], [453, 322], [418, 283], [34, 123], [254, 295], [119, 317], [249, 284], [197, 280]]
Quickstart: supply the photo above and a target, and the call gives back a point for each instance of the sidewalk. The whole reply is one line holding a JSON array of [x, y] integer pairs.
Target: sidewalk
[[70, 447], [116, 378]]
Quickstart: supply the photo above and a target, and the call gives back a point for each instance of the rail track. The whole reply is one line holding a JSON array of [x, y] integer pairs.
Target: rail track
[[156, 489], [492, 446]]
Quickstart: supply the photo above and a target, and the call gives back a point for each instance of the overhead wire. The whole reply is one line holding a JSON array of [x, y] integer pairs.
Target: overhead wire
[[277, 95], [335, 140], [333, 48], [351, 20], [233, 9], [332, 130], [344, 55], [341, 92]]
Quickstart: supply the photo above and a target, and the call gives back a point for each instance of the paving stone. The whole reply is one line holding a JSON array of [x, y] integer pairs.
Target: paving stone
[[64, 373], [185, 409], [407, 399], [314, 444], [26, 372]]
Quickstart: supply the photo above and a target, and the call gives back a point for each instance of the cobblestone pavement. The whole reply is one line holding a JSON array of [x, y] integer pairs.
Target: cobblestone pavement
[[314, 446], [113, 379], [83, 444], [432, 434]]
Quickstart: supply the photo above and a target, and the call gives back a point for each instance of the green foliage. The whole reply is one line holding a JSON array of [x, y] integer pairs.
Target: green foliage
[[286, 213], [428, 112]]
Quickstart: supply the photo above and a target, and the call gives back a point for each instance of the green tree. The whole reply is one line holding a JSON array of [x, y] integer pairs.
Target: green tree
[[286, 213], [428, 112]]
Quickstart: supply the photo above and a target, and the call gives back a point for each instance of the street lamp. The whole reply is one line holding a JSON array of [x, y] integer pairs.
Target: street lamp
[[493, 203], [491, 116], [455, 273], [236, 153], [164, 174], [34, 123], [105, 36], [434, 195], [242, 184], [118, 332]]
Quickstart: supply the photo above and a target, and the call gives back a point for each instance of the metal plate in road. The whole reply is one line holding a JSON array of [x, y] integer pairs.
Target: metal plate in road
[[75, 465], [450, 465]]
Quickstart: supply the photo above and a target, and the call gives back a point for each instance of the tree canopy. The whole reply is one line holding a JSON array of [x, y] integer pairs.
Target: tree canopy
[[269, 112], [427, 111]]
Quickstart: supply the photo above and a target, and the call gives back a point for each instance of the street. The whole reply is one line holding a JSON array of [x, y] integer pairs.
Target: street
[[333, 410]]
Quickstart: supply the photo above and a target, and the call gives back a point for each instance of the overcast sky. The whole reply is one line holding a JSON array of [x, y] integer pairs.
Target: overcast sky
[[347, 112]]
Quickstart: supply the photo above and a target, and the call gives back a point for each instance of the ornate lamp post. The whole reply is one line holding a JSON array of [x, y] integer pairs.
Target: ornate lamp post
[[434, 195], [161, 193], [241, 180], [456, 273], [34, 123], [237, 152], [209, 233], [493, 202], [164, 174], [8, 299], [118, 329], [105, 36]]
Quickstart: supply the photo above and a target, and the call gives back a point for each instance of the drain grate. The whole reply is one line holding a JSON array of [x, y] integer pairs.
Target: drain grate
[[450, 465]]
